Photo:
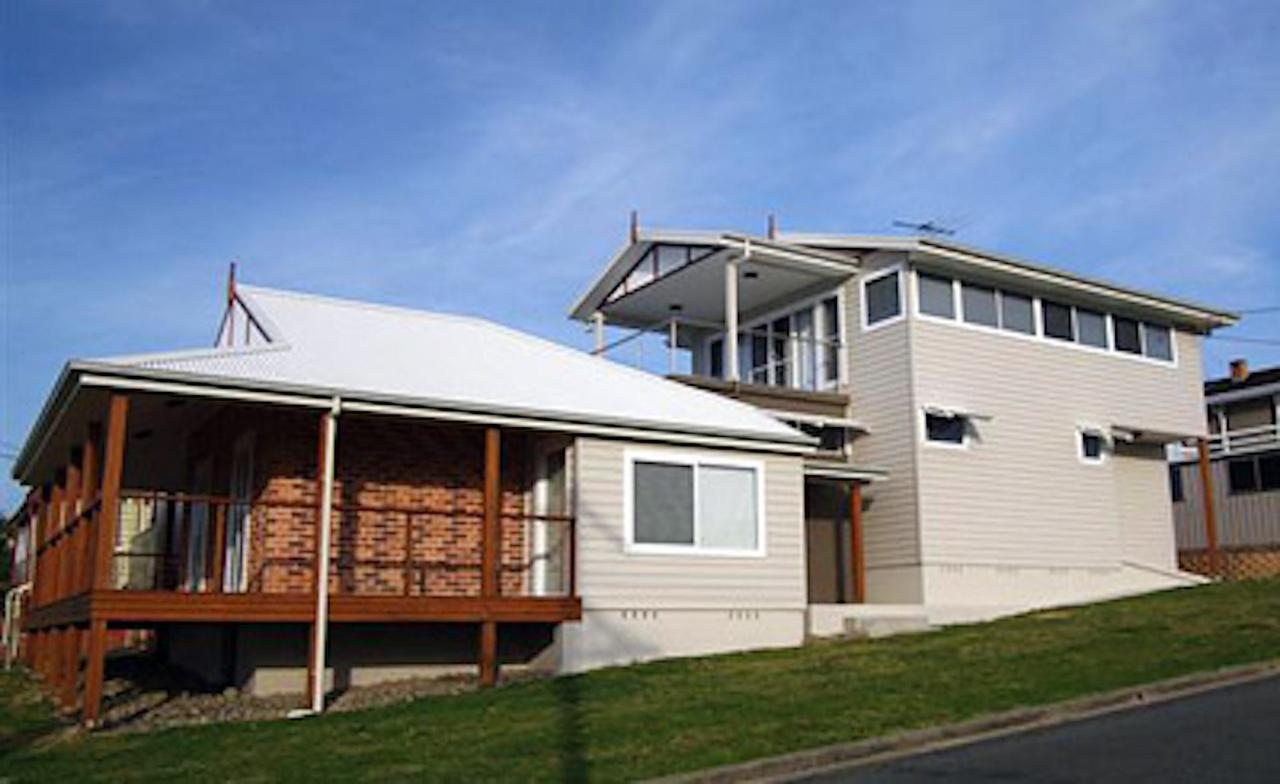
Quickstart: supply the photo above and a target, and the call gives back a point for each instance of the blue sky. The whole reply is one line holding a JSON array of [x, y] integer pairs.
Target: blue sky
[[482, 158]]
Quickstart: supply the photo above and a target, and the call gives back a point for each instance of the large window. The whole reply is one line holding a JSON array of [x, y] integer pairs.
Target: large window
[[882, 297], [680, 505], [936, 297], [799, 348]]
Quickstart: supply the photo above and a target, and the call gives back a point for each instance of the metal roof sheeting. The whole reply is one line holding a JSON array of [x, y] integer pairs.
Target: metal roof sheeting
[[359, 349]]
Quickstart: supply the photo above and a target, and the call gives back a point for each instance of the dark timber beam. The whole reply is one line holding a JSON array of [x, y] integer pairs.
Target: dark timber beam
[[104, 543], [859, 555], [490, 542]]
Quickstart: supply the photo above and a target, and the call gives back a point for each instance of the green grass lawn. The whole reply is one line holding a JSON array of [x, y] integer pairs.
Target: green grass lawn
[[681, 715]]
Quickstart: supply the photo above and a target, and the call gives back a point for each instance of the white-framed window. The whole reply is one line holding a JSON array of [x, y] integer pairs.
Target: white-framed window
[[882, 298], [797, 347], [942, 298], [947, 429], [1092, 445], [680, 503]]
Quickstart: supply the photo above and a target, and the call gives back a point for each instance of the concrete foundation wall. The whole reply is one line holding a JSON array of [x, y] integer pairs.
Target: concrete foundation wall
[[272, 658]]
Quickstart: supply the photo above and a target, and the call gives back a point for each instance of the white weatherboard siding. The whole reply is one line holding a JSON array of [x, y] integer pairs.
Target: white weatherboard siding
[[644, 606], [1018, 518], [880, 386], [1144, 505]]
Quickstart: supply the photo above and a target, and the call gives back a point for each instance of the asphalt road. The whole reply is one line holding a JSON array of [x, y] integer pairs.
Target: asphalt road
[[1228, 735]]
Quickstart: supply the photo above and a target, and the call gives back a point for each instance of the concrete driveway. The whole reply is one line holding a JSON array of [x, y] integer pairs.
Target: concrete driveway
[[1228, 735]]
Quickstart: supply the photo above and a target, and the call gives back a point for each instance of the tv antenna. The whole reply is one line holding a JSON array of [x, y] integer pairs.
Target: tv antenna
[[932, 228]]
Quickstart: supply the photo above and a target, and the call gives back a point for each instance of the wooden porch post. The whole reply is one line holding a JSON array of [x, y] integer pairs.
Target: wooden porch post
[[88, 494], [491, 541], [104, 544], [859, 555], [1210, 518]]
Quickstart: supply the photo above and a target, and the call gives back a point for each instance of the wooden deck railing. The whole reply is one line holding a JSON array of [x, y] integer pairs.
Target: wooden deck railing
[[190, 543]]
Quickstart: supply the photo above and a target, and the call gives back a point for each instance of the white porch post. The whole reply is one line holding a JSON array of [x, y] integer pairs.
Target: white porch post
[[322, 568], [731, 318], [597, 327], [673, 338]]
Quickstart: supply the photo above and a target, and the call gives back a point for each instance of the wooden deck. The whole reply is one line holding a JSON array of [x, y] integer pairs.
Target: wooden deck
[[139, 608]]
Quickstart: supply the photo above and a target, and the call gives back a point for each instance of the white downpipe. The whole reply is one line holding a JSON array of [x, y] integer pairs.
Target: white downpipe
[[731, 317], [322, 581]]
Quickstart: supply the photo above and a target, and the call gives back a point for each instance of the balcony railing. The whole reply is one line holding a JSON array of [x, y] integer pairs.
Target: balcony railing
[[209, 544], [1249, 439]]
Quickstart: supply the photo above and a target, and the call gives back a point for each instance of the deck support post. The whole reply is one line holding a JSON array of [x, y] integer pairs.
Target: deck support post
[[103, 545], [1210, 518], [95, 655], [324, 526], [70, 666], [858, 556], [490, 553], [732, 370]]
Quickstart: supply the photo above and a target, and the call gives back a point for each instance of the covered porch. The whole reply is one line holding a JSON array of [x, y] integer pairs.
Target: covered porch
[[171, 507]]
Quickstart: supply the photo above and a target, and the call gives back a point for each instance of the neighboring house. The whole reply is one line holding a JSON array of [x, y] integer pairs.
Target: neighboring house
[[1011, 418], [1243, 467]]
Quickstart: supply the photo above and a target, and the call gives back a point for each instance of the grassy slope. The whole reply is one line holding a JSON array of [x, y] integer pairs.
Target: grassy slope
[[680, 715]]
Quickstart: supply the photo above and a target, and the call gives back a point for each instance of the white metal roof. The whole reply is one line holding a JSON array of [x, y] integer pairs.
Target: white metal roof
[[411, 357]]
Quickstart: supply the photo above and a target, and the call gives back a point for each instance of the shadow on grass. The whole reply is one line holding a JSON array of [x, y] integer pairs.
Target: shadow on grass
[[572, 746]]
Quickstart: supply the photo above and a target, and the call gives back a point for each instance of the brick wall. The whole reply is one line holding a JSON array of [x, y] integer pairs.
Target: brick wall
[[381, 463]]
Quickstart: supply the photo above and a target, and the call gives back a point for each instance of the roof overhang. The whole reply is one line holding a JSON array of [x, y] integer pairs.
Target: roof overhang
[[946, 254], [672, 274], [79, 379]]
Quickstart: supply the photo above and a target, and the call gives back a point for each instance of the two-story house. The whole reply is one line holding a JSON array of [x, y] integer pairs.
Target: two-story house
[[1009, 419], [873, 430], [1234, 531]]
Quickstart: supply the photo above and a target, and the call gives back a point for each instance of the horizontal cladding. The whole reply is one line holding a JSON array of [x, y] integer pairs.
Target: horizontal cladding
[[608, 576], [1020, 494], [1145, 507], [879, 382], [1243, 519]]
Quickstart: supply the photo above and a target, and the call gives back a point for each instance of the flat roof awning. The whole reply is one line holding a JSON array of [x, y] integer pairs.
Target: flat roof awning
[[840, 471], [662, 275]]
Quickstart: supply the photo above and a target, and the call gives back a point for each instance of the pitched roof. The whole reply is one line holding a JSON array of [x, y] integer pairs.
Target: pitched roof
[[1266, 377], [411, 357]]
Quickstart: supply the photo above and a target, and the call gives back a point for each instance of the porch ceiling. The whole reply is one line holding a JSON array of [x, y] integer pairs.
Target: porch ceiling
[[695, 293]]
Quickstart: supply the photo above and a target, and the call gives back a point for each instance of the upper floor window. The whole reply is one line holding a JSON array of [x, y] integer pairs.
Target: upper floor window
[[979, 305], [1127, 336], [1017, 313], [1157, 342], [1057, 320], [936, 296], [882, 297], [799, 348]]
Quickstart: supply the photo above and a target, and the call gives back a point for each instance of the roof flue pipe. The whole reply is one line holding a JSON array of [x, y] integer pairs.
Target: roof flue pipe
[[1239, 370]]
